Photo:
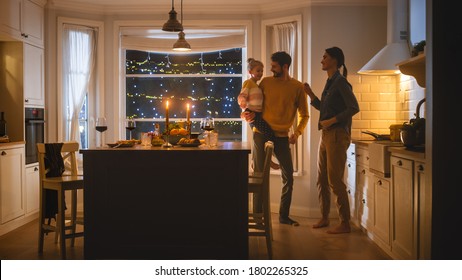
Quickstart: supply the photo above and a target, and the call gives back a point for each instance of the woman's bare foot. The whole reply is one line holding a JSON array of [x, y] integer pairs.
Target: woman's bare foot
[[344, 227], [321, 223], [274, 165]]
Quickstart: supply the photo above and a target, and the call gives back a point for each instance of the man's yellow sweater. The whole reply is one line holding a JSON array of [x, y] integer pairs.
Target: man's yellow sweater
[[282, 100]]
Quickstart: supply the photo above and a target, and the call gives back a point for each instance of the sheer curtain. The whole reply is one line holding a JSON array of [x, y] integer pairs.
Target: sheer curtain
[[285, 39], [79, 49]]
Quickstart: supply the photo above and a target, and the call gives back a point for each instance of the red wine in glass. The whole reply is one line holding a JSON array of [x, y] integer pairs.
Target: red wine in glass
[[130, 125], [101, 128], [207, 124]]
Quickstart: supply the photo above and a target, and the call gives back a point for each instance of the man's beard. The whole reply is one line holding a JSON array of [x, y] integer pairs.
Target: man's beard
[[277, 74]]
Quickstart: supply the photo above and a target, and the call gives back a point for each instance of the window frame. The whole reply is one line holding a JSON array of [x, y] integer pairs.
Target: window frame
[[119, 56]]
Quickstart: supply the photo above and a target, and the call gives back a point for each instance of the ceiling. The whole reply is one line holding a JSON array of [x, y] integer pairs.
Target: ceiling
[[223, 6]]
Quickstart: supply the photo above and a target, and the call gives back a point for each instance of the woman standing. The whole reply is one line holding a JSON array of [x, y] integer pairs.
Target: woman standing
[[337, 106]]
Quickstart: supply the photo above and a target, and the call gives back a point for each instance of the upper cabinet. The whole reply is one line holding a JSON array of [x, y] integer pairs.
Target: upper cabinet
[[34, 80], [23, 20], [415, 66]]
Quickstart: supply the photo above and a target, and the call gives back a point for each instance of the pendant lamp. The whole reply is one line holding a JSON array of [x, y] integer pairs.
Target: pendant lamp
[[173, 25], [181, 44]]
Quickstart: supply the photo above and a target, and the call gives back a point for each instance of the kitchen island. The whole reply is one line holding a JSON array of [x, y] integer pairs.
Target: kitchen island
[[166, 203]]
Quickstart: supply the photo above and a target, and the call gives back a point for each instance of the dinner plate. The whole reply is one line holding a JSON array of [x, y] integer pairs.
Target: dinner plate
[[189, 144], [123, 145]]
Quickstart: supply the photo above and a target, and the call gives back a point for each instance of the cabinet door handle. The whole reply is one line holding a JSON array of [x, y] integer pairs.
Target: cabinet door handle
[[421, 168], [27, 100], [363, 171], [349, 165], [364, 201], [35, 168], [400, 163], [352, 153], [379, 182], [349, 191], [367, 158], [3, 153]]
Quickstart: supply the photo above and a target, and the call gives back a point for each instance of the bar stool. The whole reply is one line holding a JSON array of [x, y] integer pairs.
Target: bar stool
[[260, 223], [70, 181]]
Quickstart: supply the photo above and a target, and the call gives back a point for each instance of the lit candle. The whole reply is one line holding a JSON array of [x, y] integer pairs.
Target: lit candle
[[187, 113], [166, 118]]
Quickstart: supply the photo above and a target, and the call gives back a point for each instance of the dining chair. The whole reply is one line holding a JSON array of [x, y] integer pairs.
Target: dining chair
[[58, 172], [260, 223]]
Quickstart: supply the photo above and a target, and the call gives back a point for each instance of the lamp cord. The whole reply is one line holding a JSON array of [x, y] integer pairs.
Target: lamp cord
[[181, 12]]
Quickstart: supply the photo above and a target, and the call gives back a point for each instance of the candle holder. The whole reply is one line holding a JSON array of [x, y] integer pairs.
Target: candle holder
[[167, 141], [188, 123]]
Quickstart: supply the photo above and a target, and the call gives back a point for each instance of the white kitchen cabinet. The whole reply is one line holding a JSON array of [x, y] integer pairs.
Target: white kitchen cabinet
[[404, 209], [32, 189], [350, 181], [382, 212], [23, 20], [34, 80], [12, 177], [424, 212], [364, 190]]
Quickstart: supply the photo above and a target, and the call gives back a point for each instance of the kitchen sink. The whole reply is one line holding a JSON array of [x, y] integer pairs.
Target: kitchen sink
[[379, 157]]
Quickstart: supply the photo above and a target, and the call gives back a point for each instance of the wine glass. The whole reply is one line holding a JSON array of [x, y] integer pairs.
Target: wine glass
[[130, 125], [207, 124], [101, 126]]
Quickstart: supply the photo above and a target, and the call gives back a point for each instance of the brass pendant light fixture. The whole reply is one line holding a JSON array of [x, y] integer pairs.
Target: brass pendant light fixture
[[173, 25], [181, 44]]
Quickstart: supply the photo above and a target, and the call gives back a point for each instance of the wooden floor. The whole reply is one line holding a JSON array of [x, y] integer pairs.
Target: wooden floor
[[290, 243]]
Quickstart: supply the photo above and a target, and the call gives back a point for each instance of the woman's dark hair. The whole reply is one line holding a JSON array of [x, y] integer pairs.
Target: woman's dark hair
[[337, 54], [281, 58]]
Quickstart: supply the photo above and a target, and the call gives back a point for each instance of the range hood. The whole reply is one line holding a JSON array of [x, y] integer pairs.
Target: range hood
[[397, 48]]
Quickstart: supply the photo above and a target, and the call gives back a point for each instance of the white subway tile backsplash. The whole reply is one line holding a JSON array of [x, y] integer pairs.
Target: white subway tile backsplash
[[383, 101], [369, 97], [370, 115]]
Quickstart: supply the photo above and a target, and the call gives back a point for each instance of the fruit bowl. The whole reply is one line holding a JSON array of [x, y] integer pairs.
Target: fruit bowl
[[173, 139]]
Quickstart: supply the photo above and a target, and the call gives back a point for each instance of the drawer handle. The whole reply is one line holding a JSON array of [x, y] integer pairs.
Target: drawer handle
[[421, 168], [349, 191], [400, 163], [364, 201], [3, 153], [349, 165], [35, 168], [352, 153], [379, 182], [363, 171], [27, 100], [367, 158]]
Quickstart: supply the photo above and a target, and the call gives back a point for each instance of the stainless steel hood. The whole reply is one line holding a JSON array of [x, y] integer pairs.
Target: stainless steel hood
[[397, 48]]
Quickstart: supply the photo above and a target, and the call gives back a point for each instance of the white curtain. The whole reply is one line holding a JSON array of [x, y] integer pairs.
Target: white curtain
[[79, 48], [285, 39]]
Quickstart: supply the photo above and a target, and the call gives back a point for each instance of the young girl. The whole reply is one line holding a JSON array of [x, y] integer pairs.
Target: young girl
[[251, 99]]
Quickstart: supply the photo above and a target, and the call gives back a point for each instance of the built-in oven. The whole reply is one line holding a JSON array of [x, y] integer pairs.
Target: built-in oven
[[34, 132]]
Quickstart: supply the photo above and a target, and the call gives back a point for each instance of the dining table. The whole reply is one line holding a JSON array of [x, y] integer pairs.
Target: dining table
[[167, 203]]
